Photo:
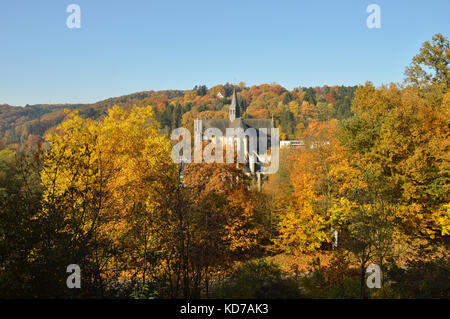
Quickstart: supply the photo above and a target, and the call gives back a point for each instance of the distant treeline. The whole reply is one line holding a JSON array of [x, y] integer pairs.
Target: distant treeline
[[291, 110]]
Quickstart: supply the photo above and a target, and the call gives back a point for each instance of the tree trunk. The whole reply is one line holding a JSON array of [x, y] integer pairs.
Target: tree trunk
[[363, 275]]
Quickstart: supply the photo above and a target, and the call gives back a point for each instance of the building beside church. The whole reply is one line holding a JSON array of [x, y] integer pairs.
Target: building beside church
[[254, 157], [292, 144]]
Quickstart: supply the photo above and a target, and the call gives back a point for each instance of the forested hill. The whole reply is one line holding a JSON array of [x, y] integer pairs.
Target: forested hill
[[291, 110]]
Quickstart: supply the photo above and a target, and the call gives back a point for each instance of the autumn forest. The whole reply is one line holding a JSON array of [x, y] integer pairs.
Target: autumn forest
[[95, 185]]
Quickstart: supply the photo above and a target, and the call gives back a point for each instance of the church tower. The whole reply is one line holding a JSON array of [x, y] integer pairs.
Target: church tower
[[235, 112]]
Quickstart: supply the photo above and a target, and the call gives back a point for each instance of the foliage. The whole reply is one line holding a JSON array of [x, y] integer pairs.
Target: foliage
[[421, 278], [259, 280], [337, 280], [434, 56], [96, 186]]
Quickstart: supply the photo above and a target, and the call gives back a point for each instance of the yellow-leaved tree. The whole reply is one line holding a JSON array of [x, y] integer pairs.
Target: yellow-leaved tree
[[304, 217], [102, 179]]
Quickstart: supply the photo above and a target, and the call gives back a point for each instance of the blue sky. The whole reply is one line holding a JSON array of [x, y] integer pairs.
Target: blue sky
[[128, 46]]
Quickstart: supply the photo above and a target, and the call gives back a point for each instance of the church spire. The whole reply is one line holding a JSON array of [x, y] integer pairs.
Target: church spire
[[234, 107]]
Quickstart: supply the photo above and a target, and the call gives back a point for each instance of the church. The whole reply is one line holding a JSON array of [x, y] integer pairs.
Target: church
[[254, 157]]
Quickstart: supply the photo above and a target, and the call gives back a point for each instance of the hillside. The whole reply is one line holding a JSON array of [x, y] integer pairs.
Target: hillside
[[291, 110]]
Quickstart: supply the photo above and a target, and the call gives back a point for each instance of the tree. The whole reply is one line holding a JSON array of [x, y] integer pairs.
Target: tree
[[287, 123], [304, 217], [100, 180], [403, 139], [367, 225], [310, 96], [20, 231], [434, 56], [208, 224]]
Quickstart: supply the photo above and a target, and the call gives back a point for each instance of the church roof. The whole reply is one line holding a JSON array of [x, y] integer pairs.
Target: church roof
[[259, 123], [238, 123], [223, 124]]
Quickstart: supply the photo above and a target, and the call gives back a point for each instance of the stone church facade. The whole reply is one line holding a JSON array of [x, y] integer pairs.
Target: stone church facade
[[254, 155]]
